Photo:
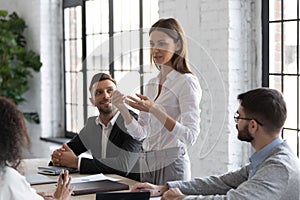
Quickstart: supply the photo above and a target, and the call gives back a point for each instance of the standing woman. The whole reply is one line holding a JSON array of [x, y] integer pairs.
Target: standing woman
[[169, 119], [13, 138]]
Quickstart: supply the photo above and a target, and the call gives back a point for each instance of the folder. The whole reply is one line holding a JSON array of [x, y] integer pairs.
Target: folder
[[36, 179], [98, 186]]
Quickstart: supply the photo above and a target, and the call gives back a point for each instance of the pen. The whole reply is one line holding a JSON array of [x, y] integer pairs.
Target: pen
[[62, 174]]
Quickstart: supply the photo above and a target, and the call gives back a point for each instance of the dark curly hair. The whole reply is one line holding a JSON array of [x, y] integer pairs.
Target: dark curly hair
[[13, 134]]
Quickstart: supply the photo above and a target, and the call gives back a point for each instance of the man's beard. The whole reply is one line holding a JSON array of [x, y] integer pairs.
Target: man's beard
[[105, 110], [244, 134]]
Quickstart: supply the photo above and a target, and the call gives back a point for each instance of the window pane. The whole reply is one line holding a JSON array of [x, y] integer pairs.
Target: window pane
[[73, 21], [291, 137], [290, 47], [134, 16], [74, 101], [97, 16], [150, 12], [77, 22], [67, 23], [71, 118], [275, 82], [290, 9], [73, 55], [275, 10], [118, 15], [93, 18], [67, 56], [79, 54], [97, 52], [290, 91], [78, 91], [275, 48], [104, 16], [126, 15], [92, 43], [68, 87]]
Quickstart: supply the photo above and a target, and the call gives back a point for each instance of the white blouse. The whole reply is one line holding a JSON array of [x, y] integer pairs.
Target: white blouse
[[13, 186], [180, 98]]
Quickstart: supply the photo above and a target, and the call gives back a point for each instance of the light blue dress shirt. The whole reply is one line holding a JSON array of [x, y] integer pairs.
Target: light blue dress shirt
[[258, 157]]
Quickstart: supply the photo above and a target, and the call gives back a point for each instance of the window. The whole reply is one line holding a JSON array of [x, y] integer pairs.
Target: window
[[281, 59], [103, 36]]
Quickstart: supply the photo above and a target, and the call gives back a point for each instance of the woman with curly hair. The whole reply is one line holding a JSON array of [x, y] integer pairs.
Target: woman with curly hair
[[13, 139]]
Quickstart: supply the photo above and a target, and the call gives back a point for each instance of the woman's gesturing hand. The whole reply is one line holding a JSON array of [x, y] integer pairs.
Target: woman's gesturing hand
[[142, 104], [63, 191]]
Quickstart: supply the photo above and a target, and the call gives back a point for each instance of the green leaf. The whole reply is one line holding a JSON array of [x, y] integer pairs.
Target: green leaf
[[3, 13]]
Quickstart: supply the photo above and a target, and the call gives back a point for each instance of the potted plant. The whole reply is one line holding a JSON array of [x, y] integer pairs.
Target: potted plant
[[16, 61]]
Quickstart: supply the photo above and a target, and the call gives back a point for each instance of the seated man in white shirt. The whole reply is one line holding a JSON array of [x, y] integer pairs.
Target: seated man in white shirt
[[104, 136]]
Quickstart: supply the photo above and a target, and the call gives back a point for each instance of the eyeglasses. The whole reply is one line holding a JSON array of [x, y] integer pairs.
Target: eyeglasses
[[237, 117]]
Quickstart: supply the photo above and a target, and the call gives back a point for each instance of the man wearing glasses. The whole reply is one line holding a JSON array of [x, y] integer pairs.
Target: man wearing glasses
[[273, 171]]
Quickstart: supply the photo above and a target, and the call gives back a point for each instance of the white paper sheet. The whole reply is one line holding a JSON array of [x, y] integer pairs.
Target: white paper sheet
[[96, 177]]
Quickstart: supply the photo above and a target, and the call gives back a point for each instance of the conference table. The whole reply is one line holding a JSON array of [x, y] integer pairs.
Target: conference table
[[30, 166]]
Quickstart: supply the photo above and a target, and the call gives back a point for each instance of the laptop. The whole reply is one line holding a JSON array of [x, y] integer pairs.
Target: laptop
[[123, 196]]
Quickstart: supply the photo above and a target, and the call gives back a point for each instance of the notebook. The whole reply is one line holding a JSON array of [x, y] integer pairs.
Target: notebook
[[123, 196], [53, 170], [98, 186]]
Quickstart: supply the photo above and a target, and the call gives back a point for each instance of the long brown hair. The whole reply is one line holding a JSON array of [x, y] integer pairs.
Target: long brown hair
[[13, 134], [173, 29]]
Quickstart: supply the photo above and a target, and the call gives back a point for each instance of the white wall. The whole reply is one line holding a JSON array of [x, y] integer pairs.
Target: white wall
[[224, 51], [52, 77]]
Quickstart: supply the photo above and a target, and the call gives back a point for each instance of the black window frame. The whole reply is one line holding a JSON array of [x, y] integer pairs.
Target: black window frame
[[266, 56]]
